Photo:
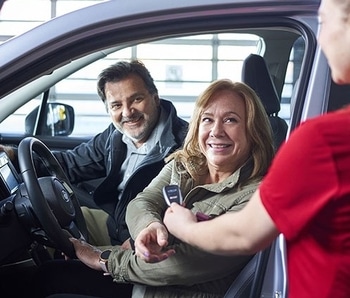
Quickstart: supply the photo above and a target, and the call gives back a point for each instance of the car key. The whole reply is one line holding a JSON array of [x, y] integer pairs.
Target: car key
[[172, 193]]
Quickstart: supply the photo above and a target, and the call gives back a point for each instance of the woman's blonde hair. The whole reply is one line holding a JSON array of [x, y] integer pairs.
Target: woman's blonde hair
[[259, 133]]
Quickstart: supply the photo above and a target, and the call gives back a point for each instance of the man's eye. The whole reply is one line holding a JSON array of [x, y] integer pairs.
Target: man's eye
[[138, 99], [115, 107]]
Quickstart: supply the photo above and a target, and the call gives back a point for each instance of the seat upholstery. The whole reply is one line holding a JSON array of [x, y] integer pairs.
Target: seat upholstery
[[255, 74], [249, 282]]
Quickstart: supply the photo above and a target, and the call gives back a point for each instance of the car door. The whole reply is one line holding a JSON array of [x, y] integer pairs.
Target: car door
[[185, 44]]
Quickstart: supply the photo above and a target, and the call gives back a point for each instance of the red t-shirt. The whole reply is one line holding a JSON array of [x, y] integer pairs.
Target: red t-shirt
[[307, 194]]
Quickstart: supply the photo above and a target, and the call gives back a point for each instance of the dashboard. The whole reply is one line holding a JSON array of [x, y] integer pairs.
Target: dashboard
[[12, 232], [9, 178]]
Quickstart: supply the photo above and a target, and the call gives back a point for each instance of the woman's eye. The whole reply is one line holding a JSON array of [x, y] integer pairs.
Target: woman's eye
[[229, 120], [206, 119]]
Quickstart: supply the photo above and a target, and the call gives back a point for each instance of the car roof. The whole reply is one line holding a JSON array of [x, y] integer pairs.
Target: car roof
[[56, 42]]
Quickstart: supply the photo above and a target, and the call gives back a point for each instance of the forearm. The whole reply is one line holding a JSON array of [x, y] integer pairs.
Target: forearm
[[81, 163], [225, 240], [140, 214], [149, 205], [243, 232], [187, 267]]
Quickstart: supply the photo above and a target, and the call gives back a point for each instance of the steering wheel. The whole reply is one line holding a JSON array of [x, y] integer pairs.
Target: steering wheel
[[52, 198]]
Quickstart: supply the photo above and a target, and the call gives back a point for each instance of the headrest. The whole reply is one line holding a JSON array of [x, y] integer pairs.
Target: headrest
[[256, 75]]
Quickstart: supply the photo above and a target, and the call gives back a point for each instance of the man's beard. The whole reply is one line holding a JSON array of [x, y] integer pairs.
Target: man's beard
[[143, 131]]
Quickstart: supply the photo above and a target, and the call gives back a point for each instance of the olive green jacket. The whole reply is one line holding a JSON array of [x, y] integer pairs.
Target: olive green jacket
[[190, 272]]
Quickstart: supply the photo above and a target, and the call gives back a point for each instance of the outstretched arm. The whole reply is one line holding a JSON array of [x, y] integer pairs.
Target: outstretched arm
[[151, 242], [243, 232], [87, 253]]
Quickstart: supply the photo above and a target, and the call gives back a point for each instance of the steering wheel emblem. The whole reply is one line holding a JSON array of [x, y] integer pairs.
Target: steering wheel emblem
[[65, 195]]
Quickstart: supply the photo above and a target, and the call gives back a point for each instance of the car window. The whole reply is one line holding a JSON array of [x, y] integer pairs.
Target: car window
[[182, 67]]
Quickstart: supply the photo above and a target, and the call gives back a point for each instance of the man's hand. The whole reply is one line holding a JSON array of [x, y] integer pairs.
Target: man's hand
[[177, 219], [87, 253], [150, 244]]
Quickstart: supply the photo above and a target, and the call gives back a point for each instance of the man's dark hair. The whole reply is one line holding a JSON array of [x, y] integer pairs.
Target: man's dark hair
[[121, 70]]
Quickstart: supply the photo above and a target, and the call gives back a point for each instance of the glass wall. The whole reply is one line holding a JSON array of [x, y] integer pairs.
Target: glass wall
[[18, 16], [181, 67]]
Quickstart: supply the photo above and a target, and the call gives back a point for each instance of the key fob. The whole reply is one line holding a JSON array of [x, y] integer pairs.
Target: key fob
[[172, 193]]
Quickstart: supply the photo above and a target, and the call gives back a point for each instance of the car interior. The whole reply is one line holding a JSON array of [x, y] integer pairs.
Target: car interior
[[268, 72], [251, 280]]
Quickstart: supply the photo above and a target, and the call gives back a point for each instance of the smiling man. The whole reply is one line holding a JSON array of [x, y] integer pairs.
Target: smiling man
[[128, 154]]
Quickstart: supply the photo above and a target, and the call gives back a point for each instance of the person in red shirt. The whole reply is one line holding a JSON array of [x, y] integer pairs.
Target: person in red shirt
[[305, 195]]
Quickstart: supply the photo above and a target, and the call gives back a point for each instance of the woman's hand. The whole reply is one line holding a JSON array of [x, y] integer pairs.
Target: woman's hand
[[177, 219], [126, 244], [151, 243], [87, 253]]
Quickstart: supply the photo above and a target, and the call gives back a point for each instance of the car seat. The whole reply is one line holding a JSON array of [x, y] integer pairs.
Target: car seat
[[255, 74], [249, 280], [265, 275]]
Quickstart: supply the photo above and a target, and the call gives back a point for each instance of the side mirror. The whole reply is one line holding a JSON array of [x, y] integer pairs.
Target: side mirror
[[57, 119]]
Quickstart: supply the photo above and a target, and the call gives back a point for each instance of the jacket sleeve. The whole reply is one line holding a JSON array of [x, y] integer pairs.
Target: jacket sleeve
[[149, 205], [189, 265], [86, 161]]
